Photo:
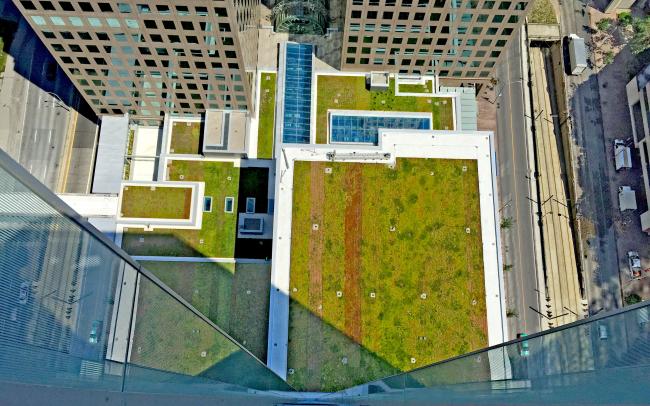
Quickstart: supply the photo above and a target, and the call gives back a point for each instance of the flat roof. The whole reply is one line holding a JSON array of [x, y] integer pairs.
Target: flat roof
[[224, 131], [110, 154]]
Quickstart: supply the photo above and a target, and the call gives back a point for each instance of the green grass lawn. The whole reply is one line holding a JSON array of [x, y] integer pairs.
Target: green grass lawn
[[430, 203], [159, 203], [267, 116], [186, 138], [409, 88], [351, 94], [236, 298], [542, 13], [167, 336], [219, 229], [3, 55]]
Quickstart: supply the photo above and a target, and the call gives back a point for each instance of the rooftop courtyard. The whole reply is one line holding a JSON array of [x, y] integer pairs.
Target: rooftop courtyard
[[386, 269], [350, 93], [218, 232], [157, 202], [185, 137]]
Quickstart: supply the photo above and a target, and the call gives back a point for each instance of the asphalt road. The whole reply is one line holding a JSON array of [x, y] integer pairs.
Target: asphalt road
[[599, 258], [512, 147]]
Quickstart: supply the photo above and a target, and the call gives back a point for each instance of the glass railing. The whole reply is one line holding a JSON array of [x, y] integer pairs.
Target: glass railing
[[601, 360], [76, 311]]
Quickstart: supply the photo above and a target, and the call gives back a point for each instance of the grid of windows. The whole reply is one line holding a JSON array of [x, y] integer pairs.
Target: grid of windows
[[453, 38], [150, 58]]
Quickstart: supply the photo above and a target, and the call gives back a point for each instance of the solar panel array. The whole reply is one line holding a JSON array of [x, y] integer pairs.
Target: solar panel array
[[297, 94], [365, 129]]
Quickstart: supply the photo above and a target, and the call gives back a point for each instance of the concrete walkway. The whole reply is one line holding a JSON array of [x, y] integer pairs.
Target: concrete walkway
[[393, 144]]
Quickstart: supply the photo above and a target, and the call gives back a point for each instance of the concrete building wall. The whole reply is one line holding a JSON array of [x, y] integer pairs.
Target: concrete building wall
[[637, 99], [460, 39], [148, 58]]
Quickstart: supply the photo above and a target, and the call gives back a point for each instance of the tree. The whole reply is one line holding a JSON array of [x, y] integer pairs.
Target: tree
[[506, 222], [641, 39], [604, 24], [632, 299], [625, 19]]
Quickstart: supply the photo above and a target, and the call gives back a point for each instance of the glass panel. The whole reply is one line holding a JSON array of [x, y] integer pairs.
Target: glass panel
[[57, 290]]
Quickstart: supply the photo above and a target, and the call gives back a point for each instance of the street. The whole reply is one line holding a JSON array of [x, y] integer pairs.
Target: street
[[39, 122], [512, 149]]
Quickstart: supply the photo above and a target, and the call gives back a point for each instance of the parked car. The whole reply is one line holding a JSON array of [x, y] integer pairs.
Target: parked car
[[634, 263], [23, 294], [95, 332], [523, 345]]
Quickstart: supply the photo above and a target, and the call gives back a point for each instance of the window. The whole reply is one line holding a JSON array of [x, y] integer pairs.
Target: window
[[356, 13], [486, 42], [47, 5], [151, 24], [28, 5], [169, 25], [498, 18], [66, 6], [123, 7], [388, 15], [76, 21], [372, 15], [364, 61], [488, 5], [105, 7], [207, 204], [353, 39], [434, 17], [504, 5], [94, 22], [229, 204], [113, 22], [513, 19], [492, 31], [57, 20], [482, 18]]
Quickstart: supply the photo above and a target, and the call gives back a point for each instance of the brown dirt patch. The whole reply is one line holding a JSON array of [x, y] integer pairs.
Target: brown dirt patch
[[316, 248], [187, 207], [353, 224]]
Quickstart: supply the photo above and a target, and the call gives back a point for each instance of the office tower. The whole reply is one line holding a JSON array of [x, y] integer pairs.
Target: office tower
[[458, 39], [151, 58]]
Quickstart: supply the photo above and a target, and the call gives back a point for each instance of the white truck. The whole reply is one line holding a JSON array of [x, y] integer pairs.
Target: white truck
[[577, 54]]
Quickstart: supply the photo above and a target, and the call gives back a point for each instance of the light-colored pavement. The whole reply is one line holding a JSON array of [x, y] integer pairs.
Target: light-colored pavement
[[145, 149], [516, 193]]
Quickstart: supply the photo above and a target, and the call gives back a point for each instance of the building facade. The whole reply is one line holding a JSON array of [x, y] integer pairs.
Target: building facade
[[458, 39], [151, 58], [639, 107]]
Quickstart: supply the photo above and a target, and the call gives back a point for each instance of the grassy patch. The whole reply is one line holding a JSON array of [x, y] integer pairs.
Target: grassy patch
[[267, 116], [542, 13], [219, 229], [428, 203], [3, 55], [351, 94], [416, 88], [233, 297], [159, 203], [186, 138], [7, 31], [167, 336]]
